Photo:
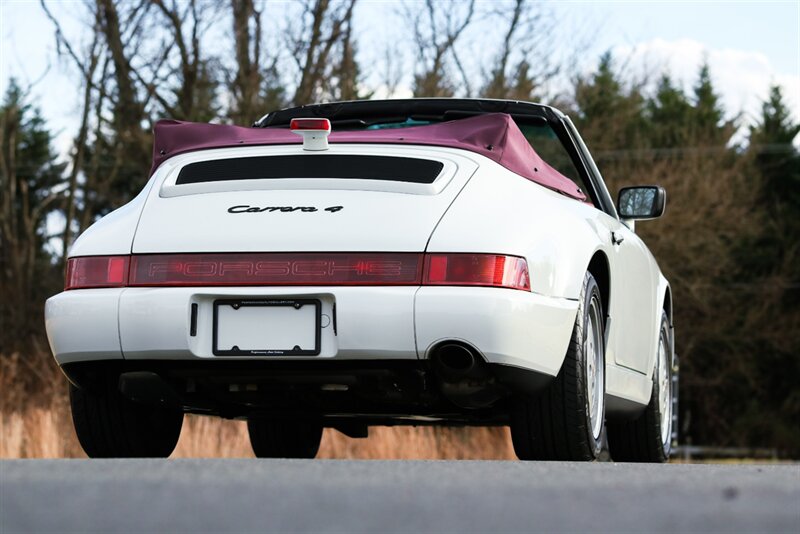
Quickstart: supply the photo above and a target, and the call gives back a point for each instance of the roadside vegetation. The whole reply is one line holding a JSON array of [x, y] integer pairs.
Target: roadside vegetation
[[729, 242]]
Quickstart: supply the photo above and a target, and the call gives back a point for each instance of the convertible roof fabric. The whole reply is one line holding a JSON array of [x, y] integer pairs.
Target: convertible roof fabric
[[494, 135]]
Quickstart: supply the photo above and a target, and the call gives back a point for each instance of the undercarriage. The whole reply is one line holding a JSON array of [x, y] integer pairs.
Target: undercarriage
[[335, 393]]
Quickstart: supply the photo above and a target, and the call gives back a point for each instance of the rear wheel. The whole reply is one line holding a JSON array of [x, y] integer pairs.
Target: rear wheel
[[110, 426], [277, 438], [648, 438], [566, 421]]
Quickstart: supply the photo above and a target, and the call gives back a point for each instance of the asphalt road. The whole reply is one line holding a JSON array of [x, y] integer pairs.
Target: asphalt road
[[392, 496]]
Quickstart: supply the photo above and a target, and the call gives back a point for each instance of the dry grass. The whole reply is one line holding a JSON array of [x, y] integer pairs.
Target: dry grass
[[37, 433], [43, 433], [35, 422], [211, 437]]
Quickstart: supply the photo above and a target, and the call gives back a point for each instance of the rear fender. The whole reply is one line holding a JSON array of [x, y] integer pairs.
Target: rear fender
[[663, 290], [499, 212], [114, 233]]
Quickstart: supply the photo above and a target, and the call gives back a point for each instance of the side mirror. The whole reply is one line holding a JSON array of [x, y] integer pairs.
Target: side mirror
[[641, 202]]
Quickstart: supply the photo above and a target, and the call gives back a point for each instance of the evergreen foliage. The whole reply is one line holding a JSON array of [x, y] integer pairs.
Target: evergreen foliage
[[30, 180], [708, 124], [777, 159], [729, 243], [609, 112], [669, 112]]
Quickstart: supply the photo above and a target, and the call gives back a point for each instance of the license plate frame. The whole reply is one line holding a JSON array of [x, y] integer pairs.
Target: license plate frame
[[293, 303]]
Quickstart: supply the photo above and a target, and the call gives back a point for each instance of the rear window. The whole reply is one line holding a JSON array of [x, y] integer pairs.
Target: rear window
[[353, 167], [549, 147]]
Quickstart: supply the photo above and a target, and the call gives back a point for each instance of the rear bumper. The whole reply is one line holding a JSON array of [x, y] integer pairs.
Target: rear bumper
[[507, 327], [335, 392]]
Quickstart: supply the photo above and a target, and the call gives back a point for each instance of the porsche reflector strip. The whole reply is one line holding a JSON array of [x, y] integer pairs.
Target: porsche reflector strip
[[277, 269], [298, 269]]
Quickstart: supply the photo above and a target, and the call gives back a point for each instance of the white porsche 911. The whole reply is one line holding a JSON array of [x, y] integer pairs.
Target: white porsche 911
[[405, 262]]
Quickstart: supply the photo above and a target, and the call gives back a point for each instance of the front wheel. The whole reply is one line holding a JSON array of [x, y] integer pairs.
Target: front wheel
[[648, 438], [566, 421]]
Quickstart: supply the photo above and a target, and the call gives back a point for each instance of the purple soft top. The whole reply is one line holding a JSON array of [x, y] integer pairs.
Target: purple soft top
[[494, 135]]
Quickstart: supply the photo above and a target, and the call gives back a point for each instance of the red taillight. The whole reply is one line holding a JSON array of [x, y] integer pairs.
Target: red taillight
[[97, 271], [310, 124], [301, 269], [276, 269], [476, 270]]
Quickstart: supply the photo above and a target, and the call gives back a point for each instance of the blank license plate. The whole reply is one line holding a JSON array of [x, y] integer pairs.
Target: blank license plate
[[271, 327]]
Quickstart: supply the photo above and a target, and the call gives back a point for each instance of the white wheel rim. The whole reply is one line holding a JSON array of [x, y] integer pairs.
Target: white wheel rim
[[664, 392], [595, 368]]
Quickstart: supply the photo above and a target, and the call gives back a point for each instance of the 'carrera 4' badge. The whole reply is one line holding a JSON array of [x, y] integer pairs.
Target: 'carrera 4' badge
[[281, 209]]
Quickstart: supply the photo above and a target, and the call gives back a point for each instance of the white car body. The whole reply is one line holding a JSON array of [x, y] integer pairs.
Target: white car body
[[475, 205]]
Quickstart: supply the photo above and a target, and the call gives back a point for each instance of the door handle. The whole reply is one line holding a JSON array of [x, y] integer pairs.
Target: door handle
[[616, 239]]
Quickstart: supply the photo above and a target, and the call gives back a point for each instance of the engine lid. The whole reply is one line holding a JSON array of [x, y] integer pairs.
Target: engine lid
[[297, 214]]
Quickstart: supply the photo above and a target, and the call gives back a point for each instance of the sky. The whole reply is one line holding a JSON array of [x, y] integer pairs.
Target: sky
[[748, 45]]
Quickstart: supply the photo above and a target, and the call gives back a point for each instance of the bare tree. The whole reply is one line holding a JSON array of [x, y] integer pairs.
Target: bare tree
[[129, 112], [346, 72], [247, 82], [498, 84], [87, 66], [325, 24], [79, 147], [392, 68], [146, 61], [524, 60], [437, 26], [195, 94]]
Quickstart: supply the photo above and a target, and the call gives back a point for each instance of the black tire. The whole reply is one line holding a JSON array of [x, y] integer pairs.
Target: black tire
[[277, 438], [557, 425], [110, 426], [642, 440]]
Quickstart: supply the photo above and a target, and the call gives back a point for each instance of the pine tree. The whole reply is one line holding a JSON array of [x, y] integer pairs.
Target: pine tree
[[776, 183], [708, 120], [777, 159], [669, 112], [29, 178], [601, 95], [769, 267], [610, 116]]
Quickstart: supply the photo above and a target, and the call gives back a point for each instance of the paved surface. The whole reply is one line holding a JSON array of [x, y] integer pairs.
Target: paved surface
[[392, 496]]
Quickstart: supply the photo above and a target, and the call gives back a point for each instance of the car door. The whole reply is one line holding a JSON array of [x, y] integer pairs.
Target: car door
[[634, 289], [630, 328]]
